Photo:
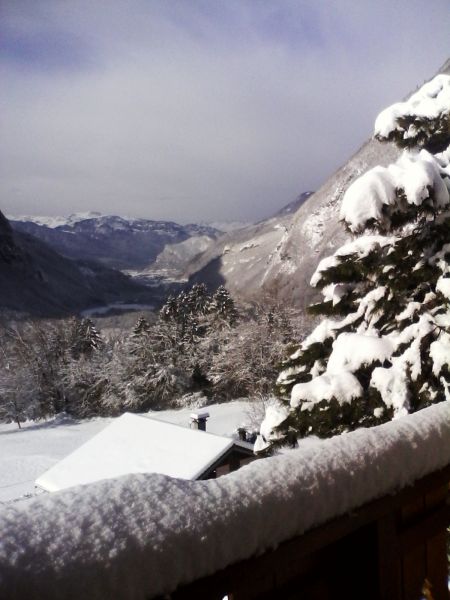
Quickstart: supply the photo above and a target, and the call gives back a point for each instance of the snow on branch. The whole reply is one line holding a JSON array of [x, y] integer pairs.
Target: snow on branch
[[424, 117], [381, 350], [359, 248], [381, 194], [140, 536]]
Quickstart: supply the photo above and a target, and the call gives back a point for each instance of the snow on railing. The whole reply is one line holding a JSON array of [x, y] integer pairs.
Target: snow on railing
[[140, 536]]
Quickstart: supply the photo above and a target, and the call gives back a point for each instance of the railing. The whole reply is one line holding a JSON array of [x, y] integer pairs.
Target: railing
[[394, 548], [359, 516]]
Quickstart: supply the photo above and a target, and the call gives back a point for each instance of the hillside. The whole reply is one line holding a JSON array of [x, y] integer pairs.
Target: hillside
[[240, 259]]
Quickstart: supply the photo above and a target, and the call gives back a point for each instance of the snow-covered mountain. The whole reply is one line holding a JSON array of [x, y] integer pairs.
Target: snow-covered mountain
[[240, 259], [278, 257], [35, 279], [172, 262], [53, 222], [226, 226], [114, 241]]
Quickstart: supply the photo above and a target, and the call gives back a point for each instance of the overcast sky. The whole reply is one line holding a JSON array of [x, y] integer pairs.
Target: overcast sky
[[197, 109]]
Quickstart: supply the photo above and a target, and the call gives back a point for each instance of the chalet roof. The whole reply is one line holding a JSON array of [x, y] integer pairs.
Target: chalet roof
[[137, 444]]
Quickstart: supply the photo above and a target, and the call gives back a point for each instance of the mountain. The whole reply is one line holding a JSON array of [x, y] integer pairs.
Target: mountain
[[240, 258], [276, 258], [36, 280], [116, 242], [171, 263], [226, 226], [315, 230]]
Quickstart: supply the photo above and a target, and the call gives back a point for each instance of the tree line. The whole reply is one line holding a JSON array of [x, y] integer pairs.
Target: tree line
[[199, 347]]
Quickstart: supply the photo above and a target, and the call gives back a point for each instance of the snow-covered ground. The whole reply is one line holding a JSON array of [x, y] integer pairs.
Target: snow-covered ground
[[28, 452]]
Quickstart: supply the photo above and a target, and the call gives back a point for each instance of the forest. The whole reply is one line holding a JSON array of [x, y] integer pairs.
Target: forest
[[198, 348]]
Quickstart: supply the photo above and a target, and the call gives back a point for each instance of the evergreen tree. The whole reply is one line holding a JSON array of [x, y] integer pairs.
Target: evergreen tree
[[383, 348], [198, 299], [169, 311], [85, 338], [223, 305], [141, 328]]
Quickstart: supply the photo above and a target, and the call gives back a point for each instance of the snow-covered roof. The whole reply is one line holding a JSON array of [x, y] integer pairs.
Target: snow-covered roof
[[137, 444]]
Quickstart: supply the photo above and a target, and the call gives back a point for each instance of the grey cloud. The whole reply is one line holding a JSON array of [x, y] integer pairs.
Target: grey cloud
[[190, 112]]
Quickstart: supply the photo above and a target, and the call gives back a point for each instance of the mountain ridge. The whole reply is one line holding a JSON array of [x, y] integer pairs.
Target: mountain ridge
[[114, 241]]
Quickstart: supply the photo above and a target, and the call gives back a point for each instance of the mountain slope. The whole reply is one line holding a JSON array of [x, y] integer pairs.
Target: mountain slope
[[116, 242], [171, 263], [284, 252], [316, 231], [241, 258], [36, 280]]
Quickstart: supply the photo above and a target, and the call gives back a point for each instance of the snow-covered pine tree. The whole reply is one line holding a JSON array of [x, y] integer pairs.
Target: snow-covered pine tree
[[141, 328], [383, 348], [181, 311], [223, 305], [169, 310], [86, 338], [198, 299]]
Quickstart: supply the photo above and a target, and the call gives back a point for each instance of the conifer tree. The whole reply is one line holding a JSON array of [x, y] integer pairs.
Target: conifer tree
[[86, 338], [383, 348], [222, 304], [141, 328], [198, 299]]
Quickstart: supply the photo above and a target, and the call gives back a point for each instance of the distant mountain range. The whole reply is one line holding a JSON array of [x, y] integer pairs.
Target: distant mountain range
[[114, 241], [156, 253], [36, 280]]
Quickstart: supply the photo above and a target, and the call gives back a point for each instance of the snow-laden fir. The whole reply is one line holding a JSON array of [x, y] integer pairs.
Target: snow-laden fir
[[140, 536], [425, 114], [382, 349]]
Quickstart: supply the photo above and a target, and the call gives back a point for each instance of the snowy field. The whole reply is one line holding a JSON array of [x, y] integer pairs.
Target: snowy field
[[28, 452]]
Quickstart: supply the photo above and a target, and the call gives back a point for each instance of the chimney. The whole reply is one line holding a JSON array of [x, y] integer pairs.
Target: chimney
[[198, 420], [242, 433]]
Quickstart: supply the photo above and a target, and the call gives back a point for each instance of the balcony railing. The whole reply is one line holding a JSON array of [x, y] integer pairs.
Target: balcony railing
[[394, 548], [362, 515]]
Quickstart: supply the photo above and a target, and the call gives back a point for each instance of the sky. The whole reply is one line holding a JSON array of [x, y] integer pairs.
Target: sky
[[198, 110]]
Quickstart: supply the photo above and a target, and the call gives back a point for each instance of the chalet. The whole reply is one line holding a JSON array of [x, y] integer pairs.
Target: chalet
[[139, 444]]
